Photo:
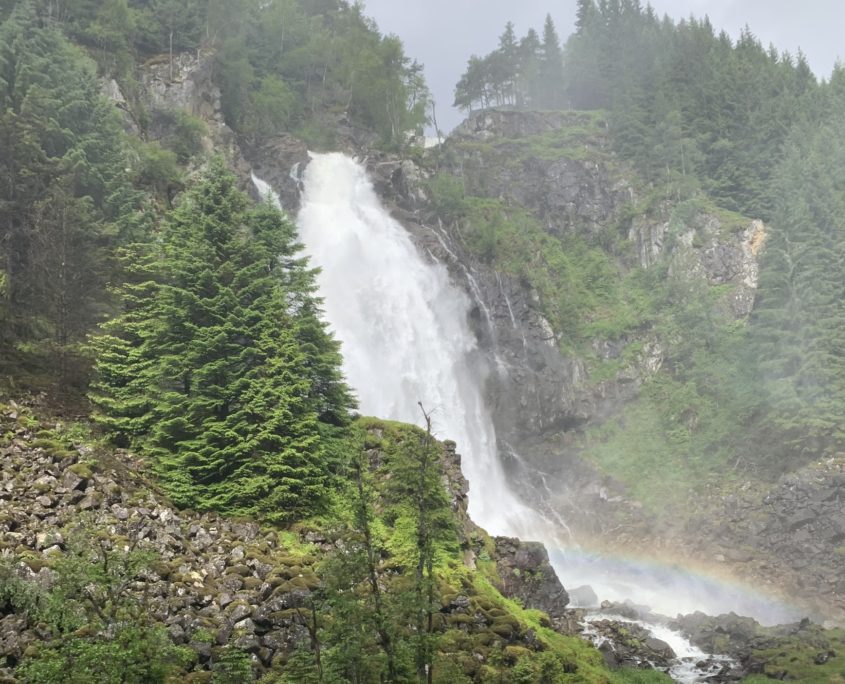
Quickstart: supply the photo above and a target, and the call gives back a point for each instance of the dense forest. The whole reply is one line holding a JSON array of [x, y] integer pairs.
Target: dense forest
[[79, 189], [703, 117], [157, 323]]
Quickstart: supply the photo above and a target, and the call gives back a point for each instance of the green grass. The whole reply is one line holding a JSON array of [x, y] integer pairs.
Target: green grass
[[668, 443], [636, 451], [795, 656], [581, 660]]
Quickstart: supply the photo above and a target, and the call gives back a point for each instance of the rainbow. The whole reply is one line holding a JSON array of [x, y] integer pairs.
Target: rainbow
[[670, 587]]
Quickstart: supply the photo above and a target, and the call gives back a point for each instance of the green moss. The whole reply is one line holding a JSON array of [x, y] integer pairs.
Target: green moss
[[54, 447], [83, 470], [295, 548], [252, 583]]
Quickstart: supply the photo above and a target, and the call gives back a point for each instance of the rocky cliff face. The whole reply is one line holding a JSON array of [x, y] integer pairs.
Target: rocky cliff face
[[527, 575], [793, 531], [541, 161], [558, 167]]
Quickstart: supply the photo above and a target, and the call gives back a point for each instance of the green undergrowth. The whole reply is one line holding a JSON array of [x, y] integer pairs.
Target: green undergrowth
[[668, 443], [494, 638], [559, 658], [591, 289], [682, 431], [583, 290], [583, 138], [491, 639]]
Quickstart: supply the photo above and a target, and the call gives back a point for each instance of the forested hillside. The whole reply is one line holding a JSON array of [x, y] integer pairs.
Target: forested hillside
[[705, 119], [79, 189], [147, 303]]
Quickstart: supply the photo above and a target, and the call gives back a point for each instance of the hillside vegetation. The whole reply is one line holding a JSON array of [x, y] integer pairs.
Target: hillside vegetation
[[702, 124], [188, 494]]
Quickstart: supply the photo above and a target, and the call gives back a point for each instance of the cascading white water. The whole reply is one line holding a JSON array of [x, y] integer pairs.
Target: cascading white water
[[403, 327], [266, 190], [690, 666]]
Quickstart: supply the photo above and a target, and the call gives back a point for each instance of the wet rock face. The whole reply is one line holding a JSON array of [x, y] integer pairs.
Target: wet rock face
[[755, 647], [564, 192], [186, 84], [625, 644], [704, 252], [527, 575], [729, 634], [281, 161]]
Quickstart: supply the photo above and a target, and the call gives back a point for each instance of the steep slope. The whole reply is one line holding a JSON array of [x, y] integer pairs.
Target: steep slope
[[611, 310], [87, 525]]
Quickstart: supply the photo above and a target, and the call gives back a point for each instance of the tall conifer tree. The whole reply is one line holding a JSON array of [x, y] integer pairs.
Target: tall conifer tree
[[220, 366]]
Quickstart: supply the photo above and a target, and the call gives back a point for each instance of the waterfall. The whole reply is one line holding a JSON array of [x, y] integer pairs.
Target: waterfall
[[265, 190], [404, 330], [406, 339]]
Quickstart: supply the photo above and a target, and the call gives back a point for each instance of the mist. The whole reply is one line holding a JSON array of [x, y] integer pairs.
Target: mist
[[443, 35]]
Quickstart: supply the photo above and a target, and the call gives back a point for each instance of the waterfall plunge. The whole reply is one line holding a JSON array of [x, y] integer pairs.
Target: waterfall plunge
[[403, 326]]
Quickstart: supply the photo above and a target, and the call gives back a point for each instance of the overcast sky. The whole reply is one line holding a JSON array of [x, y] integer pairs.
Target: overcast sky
[[442, 34]]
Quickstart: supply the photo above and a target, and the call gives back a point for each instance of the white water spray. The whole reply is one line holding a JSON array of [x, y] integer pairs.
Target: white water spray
[[690, 666], [265, 191], [404, 330]]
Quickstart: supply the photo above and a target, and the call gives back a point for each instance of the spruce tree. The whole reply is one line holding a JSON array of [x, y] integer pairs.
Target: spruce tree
[[219, 366], [64, 196], [551, 66]]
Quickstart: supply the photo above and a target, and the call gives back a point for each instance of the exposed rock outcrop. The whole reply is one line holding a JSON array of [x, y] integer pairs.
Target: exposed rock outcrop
[[183, 84], [527, 575], [536, 160], [763, 650]]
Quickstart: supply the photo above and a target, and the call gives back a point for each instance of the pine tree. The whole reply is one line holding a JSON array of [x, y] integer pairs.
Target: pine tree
[[799, 321], [585, 15], [64, 197], [530, 87], [507, 64]]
